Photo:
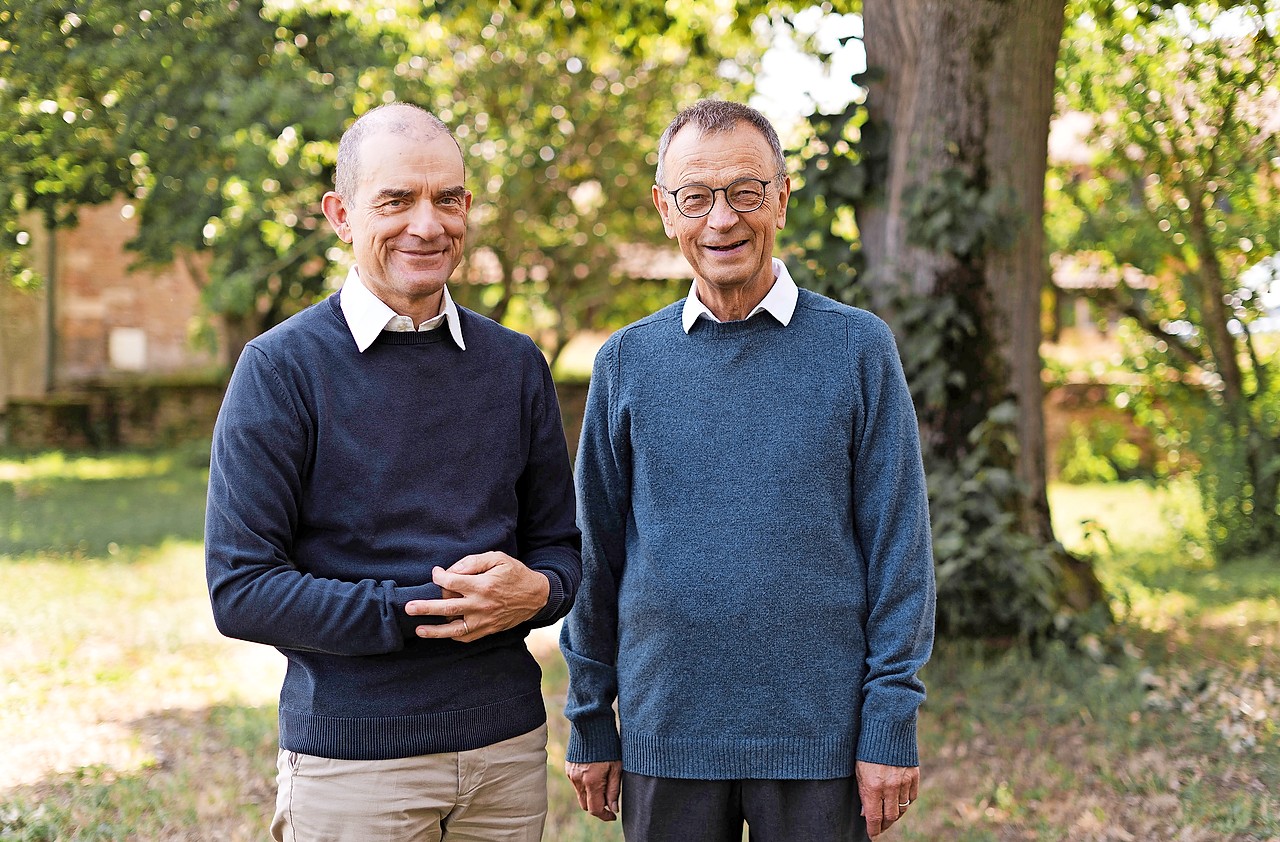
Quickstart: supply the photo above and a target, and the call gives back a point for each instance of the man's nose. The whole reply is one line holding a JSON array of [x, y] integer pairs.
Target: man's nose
[[425, 221], [721, 216]]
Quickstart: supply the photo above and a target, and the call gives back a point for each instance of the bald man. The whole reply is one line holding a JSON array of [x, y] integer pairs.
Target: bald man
[[391, 506]]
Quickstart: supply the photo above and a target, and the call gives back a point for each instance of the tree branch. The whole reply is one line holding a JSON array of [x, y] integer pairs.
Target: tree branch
[[292, 256], [1260, 371], [1152, 327], [196, 271]]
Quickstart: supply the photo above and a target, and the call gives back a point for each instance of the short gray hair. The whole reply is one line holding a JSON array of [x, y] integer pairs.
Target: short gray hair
[[400, 118], [709, 116]]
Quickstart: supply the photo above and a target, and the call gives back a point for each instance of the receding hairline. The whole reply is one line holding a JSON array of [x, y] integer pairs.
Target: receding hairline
[[711, 116], [396, 118], [401, 118]]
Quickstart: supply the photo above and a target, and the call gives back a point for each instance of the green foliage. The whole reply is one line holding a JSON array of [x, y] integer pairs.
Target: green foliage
[[993, 579], [219, 122], [950, 213], [836, 165], [1099, 452], [1182, 186], [1229, 454], [1229, 486]]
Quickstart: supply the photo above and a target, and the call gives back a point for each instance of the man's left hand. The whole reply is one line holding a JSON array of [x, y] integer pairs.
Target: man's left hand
[[887, 792], [483, 594]]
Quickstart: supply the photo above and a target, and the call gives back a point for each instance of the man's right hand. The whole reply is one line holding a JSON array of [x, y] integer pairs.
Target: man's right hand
[[598, 786]]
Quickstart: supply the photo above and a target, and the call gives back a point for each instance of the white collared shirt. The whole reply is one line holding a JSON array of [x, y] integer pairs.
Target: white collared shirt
[[779, 301], [367, 315]]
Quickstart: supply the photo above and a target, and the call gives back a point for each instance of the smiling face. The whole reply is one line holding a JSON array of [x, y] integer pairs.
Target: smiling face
[[731, 253], [407, 219]]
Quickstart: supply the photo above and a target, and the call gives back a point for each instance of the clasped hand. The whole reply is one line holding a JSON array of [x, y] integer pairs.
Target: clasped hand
[[481, 595]]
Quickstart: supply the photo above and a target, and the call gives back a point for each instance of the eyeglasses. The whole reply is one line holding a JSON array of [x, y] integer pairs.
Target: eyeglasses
[[744, 196]]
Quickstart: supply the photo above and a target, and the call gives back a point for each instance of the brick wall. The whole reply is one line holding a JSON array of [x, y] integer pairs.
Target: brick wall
[[22, 343], [98, 294], [135, 415]]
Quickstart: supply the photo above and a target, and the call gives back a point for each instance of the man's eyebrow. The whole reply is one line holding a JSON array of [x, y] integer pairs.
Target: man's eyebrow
[[392, 193], [452, 192]]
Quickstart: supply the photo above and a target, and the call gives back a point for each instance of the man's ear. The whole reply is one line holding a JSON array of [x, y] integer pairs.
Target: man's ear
[[664, 209], [784, 193], [335, 210]]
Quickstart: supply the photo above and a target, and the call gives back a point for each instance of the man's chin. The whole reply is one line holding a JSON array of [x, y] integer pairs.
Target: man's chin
[[727, 276], [426, 279]]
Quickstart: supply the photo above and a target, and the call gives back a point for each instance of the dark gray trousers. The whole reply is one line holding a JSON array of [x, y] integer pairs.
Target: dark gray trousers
[[678, 810]]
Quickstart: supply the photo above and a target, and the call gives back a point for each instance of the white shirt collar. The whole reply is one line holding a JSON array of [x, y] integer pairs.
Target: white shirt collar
[[367, 315], [779, 301]]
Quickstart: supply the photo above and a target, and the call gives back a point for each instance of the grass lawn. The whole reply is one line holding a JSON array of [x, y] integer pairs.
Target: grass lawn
[[124, 715]]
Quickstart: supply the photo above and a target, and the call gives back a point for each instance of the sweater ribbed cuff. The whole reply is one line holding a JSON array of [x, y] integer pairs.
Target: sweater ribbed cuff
[[593, 741], [552, 611], [409, 623], [888, 742]]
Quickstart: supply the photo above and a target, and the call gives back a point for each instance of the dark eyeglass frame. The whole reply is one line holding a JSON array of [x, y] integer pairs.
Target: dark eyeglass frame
[[764, 192]]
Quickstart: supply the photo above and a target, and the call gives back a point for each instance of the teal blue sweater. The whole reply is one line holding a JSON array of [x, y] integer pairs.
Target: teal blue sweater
[[758, 588], [340, 481]]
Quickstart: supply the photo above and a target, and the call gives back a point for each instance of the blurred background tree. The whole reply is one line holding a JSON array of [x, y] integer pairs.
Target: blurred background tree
[[220, 121], [1185, 186], [923, 198], [559, 108], [925, 201], [215, 119], [943, 168]]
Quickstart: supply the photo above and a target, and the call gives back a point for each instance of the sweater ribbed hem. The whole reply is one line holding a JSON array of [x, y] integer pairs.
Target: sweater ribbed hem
[[779, 758], [389, 737]]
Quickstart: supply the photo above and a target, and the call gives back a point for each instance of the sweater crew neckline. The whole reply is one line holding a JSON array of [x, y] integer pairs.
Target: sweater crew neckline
[[709, 330], [392, 337]]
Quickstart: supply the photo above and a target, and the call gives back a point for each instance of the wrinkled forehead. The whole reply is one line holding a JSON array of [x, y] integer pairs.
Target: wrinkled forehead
[[738, 152], [390, 158]]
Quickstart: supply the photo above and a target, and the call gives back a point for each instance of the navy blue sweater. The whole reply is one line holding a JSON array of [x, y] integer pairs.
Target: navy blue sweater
[[340, 480], [758, 587]]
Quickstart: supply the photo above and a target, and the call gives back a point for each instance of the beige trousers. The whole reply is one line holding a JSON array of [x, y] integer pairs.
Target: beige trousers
[[493, 794]]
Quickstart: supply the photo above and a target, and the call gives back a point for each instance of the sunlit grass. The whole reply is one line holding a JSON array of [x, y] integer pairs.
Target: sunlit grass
[[1128, 516], [92, 643], [58, 465], [125, 715], [95, 506]]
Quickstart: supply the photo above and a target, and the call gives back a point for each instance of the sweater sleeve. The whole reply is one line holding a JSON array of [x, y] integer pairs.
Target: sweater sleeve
[[589, 638], [891, 521], [261, 444], [548, 540]]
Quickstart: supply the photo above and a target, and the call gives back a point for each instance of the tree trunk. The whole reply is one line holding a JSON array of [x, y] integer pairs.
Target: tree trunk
[[240, 329], [1211, 291], [967, 86]]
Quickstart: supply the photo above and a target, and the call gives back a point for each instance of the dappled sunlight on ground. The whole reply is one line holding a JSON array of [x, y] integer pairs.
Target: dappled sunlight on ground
[[1154, 610], [122, 709], [68, 694], [60, 466], [1098, 518]]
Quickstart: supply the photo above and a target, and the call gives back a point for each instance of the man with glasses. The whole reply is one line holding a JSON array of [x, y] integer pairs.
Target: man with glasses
[[758, 591]]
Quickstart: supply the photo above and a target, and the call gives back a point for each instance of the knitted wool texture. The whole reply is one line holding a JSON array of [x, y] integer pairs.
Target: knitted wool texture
[[340, 480], [758, 588]]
